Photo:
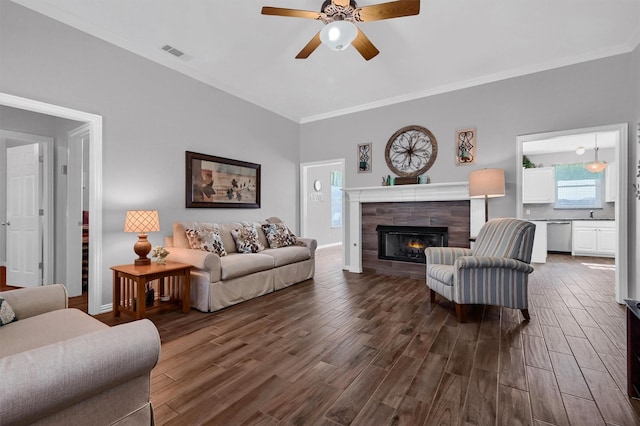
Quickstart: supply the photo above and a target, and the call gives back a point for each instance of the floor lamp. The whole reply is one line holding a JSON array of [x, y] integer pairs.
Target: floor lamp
[[486, 183]]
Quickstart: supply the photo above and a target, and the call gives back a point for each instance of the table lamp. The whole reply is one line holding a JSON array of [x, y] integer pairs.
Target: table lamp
[[486, 183], [142, 221]]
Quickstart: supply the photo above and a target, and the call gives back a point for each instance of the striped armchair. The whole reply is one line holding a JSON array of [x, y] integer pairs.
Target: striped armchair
[[495, 272]]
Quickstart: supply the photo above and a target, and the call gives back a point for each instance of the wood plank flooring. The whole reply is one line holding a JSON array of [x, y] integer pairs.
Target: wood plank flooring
[[367, 349]]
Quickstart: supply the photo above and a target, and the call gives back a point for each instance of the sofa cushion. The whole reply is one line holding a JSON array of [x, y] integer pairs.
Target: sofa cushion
[[287, 255], [7, 315], [45, 329], [240, 264], [206, 237], [246, 239]]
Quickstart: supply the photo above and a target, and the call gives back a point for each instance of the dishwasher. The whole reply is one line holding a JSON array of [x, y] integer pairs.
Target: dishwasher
[[559, 236]]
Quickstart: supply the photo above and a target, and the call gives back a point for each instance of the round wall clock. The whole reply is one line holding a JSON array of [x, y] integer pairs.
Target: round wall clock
[[411, 151]]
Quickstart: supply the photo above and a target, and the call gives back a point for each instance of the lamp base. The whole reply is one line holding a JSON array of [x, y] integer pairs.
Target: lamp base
[[142, 247]]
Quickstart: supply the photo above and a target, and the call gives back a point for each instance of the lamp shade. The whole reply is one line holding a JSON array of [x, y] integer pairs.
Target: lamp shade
[[486, 183], [338, 35], [142, 221]]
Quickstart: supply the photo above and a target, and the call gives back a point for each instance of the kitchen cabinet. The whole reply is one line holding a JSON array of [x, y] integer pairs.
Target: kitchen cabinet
[[538, 185], [593, 238], [539, 253], [610, 183]]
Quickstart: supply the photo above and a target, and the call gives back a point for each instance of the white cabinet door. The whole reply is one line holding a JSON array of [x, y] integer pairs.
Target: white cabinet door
[[607, 241], [583, 240], [593, 238], [611, 183], [538, 185], [539, 253]]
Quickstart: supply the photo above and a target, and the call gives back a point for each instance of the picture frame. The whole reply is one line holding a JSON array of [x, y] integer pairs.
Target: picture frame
[[364, 157], [217, 182], [466, 146]]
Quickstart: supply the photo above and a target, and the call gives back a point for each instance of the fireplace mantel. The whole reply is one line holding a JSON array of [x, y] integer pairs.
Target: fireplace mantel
[[352, 245]]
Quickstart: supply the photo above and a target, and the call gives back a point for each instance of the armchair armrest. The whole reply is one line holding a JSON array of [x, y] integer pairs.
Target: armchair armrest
[[32, 301], [445, 255], [43, 381], [469, 262], [199, 259]]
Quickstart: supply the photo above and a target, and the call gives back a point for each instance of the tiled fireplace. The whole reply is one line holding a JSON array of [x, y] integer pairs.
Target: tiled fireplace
[[428, 205]]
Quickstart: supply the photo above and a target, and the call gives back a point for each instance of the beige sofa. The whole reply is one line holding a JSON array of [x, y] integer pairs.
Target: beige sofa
[[221, 281], [62, 366]]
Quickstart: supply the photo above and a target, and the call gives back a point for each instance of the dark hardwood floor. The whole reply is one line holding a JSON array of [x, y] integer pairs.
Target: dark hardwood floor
[[369, 349]]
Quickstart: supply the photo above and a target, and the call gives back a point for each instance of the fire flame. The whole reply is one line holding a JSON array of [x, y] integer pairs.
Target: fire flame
[[415, 244]]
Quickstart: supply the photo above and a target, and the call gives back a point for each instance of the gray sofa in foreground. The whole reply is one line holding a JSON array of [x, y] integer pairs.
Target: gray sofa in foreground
[[61, 366]]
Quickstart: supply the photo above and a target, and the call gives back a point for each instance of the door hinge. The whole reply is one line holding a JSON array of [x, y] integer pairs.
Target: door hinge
[[40, 266], [41, 158], [41, 212], [64, 169]]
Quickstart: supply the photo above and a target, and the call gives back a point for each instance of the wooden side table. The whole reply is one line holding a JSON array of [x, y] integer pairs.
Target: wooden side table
[[131, 281]]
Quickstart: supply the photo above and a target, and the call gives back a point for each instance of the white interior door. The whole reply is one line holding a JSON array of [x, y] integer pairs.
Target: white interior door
[[24, 224], [76, 140]]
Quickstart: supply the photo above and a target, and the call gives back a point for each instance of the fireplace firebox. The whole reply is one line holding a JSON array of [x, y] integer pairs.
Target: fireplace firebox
[[407, 243]]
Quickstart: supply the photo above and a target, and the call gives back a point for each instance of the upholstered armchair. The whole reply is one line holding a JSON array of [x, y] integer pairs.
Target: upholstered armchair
[[494, 272]]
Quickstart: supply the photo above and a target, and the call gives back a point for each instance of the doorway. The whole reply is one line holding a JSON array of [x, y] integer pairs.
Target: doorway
[[94, 123], [619, 143], [321, 201]]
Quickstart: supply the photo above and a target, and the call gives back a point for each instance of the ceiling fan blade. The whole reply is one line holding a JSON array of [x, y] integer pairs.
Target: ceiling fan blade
[[295, 13], [394, 9], [363, 45], [310, 47]]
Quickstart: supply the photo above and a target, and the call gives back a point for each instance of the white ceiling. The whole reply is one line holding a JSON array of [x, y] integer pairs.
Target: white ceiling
[[450, 45]]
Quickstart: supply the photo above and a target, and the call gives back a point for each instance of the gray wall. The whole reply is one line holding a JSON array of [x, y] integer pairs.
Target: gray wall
[[583, 95], [152, 115]]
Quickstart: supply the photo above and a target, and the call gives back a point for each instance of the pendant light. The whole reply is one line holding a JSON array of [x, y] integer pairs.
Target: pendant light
[[596, 166]]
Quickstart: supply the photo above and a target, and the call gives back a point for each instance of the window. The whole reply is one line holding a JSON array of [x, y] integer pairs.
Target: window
[[578, 188], [336, 199]]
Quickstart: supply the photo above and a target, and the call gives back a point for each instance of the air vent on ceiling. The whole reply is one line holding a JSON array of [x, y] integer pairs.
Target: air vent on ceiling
[[170, 49]]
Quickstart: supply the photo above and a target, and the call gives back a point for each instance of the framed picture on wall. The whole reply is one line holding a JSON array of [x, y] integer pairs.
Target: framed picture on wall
[[221, 182], [364, 158], [466, 146]]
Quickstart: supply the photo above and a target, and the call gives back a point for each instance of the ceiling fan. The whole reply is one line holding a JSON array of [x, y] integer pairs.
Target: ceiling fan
[[340, 16]]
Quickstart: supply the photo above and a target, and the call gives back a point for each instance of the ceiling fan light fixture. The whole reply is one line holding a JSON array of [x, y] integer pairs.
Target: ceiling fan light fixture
[[338, 35]]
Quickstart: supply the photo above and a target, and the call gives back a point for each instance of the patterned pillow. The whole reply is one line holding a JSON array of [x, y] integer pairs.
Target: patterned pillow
[[279, 235], [6, 313], [207, 238], [246, 238]]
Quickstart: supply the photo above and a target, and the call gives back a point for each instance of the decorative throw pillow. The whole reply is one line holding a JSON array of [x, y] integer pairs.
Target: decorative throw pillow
[[279, 235], [246, 238], [207, 238], [6, 313]]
